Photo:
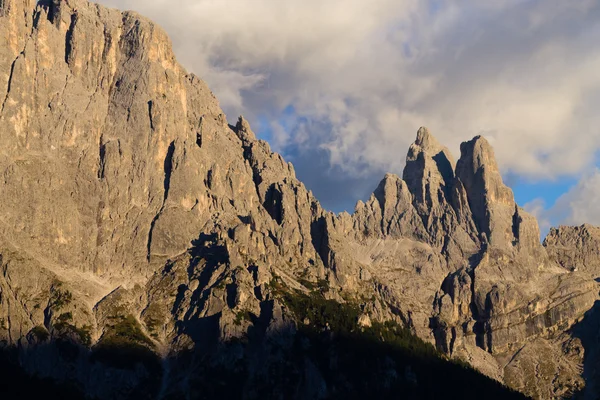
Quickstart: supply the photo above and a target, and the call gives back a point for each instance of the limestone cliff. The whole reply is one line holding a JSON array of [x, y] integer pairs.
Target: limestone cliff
[[135, 218]]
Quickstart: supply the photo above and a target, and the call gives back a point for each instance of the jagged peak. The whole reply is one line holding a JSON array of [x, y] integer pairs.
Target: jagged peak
[[587, 227], [389, 177], [392, 181], [479, 172], [492, 202], [426, 140], [393, 197], [243, 130], [391, 186], [427, 143], [479, 153], [220, 219], [429, 170], [243, 123], [390, 190], [568, 229], [359, 205]]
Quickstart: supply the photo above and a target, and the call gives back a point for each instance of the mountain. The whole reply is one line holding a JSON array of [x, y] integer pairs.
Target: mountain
[[149, 249]]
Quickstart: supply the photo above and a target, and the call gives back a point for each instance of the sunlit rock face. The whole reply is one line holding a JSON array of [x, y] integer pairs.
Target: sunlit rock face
[[133, 213]]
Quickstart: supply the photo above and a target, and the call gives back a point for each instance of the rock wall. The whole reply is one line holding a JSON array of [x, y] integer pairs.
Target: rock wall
[[129, 201]]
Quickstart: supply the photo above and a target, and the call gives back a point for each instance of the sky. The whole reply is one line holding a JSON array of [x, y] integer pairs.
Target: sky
[[340, 87]]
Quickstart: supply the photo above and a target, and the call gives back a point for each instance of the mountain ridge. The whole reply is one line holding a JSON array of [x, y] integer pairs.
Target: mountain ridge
[[135, 216]]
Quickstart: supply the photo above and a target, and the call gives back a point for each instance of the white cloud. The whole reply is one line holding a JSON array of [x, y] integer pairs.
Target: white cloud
[[537, 208], [363, 76], [581, 204]]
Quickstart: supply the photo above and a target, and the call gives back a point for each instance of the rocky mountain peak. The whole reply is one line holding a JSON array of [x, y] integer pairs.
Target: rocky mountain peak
[[429, 175], [478, 170], [425, 140], [426, 159], [133, 214], [244, 132], [492, 203], [429, 172], [394, 198], [389, 211], [388, 187]]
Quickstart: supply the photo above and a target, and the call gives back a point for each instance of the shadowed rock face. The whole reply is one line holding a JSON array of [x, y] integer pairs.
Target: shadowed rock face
[[492, 204], [134, 216], [429, 172]]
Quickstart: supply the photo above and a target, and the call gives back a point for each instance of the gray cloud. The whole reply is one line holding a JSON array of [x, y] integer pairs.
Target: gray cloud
[[581, 204], [363, 76]]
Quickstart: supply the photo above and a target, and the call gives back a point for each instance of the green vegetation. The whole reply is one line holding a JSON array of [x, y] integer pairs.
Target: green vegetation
[[64, 318], [342, 320], [307, 284], [60, 298], [40, 333], [323, 314], [124, 345], [242, 316], [377, 361], [153, 319], [64, 327], [274, 284], [127, 330], [322, 285], [383, 361]]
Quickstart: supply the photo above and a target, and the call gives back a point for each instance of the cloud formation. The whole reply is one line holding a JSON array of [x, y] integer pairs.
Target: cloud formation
[[581, 204], [348, 82]]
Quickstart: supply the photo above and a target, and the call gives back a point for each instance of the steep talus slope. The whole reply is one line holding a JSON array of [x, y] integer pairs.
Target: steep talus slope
[[142, 234]]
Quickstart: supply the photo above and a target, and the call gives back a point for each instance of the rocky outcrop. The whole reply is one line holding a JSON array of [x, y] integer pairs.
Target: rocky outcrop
[[575, 248], [429, 172], [430, 176], [134, 216], [389, 212], [495, 292], [492, 204], [554, 365]]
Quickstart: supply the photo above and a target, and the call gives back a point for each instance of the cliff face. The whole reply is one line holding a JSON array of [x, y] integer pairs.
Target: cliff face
[[134, 216]]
